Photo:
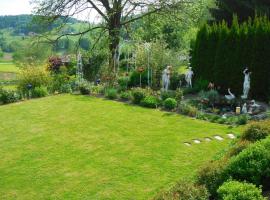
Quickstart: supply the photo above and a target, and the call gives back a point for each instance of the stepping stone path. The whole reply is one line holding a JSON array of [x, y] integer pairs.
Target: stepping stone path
[[231, 136], [218, 137], [197, 141], [208, 139], [187, 144]]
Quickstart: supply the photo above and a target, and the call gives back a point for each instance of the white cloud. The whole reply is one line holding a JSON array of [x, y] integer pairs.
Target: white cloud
[[15, 7]]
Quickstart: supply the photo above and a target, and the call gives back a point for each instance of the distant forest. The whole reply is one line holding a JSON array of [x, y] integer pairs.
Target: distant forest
[[23, 24]]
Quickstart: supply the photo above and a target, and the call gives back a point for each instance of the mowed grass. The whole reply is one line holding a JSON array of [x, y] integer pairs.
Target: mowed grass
[[77, 147], [10, 87], [8, 67]]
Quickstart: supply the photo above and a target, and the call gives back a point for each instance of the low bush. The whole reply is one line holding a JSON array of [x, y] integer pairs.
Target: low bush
[[65, 88], [184, 191], [242, 120], [97, 89], [179, 95], [212, 175], [167, 94], [62, 82], [39, 92], [7, 96], [188, 110], [31, 77], [138, 95], [238, 147], [84, 88], [252, 164], [170, 104], [149, 102], [212, 96], [125, 96], [256, 131], [111, 93], [123, 83], [234, 190]]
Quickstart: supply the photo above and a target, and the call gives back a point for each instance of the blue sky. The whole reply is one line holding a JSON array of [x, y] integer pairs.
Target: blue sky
[[15, 7]]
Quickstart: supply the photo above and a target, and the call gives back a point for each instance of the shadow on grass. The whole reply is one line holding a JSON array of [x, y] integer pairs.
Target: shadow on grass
[[169, 114]]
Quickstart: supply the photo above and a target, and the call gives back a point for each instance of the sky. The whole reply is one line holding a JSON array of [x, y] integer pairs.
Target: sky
[[15, 7]]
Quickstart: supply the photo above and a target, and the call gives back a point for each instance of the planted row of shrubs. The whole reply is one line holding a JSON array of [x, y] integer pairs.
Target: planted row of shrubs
[[242, 173], [169, 100], [11, 96], [139, 96]]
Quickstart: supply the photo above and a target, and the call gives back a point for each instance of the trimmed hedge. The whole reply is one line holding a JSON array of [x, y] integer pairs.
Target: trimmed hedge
[[150, 102], [234, 190], [252, 164], [170, 104], [221, 53]]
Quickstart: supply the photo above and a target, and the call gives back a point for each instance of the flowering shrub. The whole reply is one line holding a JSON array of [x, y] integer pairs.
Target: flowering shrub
[[55, 63]]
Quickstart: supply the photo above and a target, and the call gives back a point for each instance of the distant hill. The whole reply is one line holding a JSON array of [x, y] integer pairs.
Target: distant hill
[[24, 24]]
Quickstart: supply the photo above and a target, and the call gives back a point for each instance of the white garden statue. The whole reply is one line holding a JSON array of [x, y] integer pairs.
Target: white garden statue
[[246, 85], [230, 96], [166, 78], [244, 109], [188, 77]]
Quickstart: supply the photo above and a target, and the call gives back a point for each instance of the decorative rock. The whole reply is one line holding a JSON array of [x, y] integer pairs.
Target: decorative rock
[[218, 138], [187, 144], [231, 136], [207, 139], [259, 117], [197, 141]]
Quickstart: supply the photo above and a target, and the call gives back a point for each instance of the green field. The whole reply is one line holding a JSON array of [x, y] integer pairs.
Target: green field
[[78, 147], [8, 67]]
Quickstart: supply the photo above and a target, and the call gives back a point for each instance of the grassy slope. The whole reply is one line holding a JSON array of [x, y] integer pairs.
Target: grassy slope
[[8, 67], [75, 147]]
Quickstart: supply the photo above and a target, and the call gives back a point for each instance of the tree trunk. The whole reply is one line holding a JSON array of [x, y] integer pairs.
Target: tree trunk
[[114, 40]]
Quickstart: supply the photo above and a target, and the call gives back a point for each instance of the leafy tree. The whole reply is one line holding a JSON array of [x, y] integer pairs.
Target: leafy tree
[[115, 15], [84, 44], [1, 53], [243, 8], [34, 56]]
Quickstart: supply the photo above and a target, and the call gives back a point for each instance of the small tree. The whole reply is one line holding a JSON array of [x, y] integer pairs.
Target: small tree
[[115, 15]]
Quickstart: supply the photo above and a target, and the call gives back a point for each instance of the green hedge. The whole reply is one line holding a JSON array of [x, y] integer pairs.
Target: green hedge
[[220, 54], [239, 191]]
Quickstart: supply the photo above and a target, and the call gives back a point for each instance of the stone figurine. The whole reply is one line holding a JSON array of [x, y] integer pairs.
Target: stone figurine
[[188, 77], [244, 109], [254, 108], [230, 96], [246, 85], [166, 78]]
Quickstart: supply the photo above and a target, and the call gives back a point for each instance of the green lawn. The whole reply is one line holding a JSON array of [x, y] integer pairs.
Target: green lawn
[[8, 67], [10, 87], [76, 147]]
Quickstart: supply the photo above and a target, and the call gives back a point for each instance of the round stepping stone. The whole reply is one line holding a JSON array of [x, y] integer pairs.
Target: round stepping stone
[[197, 141], [187, 144], [217, 137], [231, 136], [207, 139]]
